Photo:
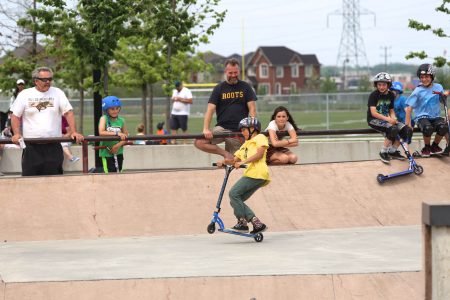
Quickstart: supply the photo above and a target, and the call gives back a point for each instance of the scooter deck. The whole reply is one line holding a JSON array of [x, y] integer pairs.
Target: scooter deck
[[237, 232]]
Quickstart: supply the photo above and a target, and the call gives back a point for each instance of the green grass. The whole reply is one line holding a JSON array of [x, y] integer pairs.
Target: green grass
[[311, 120]]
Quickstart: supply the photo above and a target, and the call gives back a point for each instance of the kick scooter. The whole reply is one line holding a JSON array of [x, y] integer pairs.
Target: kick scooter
[[216, 218], [116, 162], [413, 166]]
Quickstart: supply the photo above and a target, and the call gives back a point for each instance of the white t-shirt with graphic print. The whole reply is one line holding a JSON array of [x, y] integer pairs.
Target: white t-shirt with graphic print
[[41, 112], [180, 108]]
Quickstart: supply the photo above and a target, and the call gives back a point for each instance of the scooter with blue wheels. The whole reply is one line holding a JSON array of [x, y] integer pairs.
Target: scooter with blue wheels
[[216, 218], [413, 166]]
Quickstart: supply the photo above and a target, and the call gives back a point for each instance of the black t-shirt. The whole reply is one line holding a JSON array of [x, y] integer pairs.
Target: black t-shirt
[[383, 103], [231, 103]]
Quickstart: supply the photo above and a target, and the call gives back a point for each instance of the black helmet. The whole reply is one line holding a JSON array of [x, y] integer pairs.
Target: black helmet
[[426, 69], [382, 77], [250, 122]]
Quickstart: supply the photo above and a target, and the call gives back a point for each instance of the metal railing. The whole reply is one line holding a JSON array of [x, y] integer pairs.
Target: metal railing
[[92, 140]]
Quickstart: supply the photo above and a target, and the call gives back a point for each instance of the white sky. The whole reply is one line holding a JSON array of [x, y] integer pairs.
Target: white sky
[[302, 26]]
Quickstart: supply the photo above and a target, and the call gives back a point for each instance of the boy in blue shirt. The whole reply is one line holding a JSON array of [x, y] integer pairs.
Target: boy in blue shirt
[[427, 110]]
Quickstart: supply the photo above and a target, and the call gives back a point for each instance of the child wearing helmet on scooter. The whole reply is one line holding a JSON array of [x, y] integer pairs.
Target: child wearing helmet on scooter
[[111, 124], [381, 117], [253, 154], [427, 110]]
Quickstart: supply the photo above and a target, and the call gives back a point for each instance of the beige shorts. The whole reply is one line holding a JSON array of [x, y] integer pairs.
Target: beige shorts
[[232, 144]]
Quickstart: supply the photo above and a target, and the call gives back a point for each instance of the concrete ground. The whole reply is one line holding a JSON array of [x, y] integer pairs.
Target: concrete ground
[[335, 233]]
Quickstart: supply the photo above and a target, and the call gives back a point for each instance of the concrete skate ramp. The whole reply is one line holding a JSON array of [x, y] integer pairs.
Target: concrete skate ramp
[[300, 197], [175, 203]]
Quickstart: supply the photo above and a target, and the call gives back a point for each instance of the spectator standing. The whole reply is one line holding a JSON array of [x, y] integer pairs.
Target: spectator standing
[[182, 100], [41, 108], [20, 86], [111, 124], [232, 100]]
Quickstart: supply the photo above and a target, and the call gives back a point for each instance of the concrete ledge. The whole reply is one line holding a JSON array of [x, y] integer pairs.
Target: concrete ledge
[[145, 157]]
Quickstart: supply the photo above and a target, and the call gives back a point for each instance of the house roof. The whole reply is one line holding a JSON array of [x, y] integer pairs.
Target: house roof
[[247, 57], [280, 55], [213, 58], [309, 59]]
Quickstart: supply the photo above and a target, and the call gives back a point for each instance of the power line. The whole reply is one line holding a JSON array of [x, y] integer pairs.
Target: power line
[[351, 47]]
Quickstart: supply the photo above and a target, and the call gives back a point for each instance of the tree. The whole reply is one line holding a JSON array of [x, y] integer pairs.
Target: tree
[[328, 85], [439, 61], [182, 25]]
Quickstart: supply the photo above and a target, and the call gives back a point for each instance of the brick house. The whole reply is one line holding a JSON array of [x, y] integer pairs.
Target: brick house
[[280, 70]]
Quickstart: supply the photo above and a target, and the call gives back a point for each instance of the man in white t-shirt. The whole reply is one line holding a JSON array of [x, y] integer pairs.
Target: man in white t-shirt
[[37, 113], [182, 100]]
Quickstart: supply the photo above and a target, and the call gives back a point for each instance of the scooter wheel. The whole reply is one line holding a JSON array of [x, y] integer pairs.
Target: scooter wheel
[[211, 228], [418, 170], [380, 178], [259, 237]]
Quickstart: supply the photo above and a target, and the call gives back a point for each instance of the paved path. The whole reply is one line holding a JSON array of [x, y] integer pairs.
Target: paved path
[[333, 251]]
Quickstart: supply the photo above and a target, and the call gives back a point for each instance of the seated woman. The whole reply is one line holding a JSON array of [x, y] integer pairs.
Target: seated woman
[[278, 153]]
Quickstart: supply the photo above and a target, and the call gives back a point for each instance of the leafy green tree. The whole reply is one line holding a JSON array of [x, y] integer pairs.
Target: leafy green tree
[[439, 61], [328, 85], [182, 25]]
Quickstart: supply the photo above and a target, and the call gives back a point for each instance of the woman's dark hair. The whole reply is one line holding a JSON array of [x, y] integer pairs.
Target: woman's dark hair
[[290, 119], [16, 92]]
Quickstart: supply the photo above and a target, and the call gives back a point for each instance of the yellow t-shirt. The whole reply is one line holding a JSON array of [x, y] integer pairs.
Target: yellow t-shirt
[[257, 169]]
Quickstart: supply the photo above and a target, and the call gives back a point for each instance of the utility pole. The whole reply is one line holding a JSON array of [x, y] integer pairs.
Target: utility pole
[[386, 55], [351, 48]]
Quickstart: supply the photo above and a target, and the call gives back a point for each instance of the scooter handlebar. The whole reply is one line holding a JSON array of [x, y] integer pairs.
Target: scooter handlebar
[[241, 166]]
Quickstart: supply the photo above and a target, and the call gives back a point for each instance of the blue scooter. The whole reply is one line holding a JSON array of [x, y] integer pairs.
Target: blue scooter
[[413, 166], [216, 218]]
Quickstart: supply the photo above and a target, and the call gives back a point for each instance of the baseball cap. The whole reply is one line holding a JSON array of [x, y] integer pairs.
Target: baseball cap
[[177, 83], [20, 81]]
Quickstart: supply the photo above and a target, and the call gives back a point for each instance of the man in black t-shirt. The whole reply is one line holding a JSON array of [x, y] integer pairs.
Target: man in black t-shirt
[[232, 100]]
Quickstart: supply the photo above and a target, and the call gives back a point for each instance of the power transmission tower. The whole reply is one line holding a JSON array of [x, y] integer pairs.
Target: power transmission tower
[[351, 49]]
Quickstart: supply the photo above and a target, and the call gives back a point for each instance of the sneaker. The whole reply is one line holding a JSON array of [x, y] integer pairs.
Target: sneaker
[[435, 149], [257, 226], [384, 156], [1, 174], [446, 150], [74, 159], [396, 155], [241, 226], [426, 151]]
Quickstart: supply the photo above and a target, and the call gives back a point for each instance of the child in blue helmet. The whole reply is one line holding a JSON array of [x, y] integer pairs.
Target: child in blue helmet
[[427, 110], [111, 124], [399, 103], [253, 154]]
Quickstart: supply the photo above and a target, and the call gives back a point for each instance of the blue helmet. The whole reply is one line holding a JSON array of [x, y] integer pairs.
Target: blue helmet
[[250, 122], [110, 101], [397, 86]]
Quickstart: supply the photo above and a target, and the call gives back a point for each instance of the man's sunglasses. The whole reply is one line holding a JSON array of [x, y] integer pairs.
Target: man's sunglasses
[[45, 79]]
